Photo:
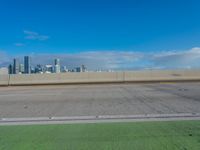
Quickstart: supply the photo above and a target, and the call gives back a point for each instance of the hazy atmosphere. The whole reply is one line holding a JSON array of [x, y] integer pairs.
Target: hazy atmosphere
[[119, 60]]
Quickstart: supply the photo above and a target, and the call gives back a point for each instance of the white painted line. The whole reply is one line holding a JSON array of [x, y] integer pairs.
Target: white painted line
[[99, 119]]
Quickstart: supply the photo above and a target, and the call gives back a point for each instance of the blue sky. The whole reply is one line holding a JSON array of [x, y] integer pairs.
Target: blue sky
[[76, 27]]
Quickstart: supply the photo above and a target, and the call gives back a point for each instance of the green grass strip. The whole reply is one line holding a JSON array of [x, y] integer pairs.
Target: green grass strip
[[172, 135]]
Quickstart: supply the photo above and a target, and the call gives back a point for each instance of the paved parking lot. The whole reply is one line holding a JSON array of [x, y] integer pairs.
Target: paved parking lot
[[99, 99]]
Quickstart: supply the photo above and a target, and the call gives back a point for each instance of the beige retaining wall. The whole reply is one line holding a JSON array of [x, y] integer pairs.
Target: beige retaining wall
[[4, 79], [62, 78], [163, 75], [102, 77]]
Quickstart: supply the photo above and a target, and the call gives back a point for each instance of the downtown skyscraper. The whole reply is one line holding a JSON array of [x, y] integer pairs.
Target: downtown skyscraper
[[27, 65], [57, 65], [15, 66]]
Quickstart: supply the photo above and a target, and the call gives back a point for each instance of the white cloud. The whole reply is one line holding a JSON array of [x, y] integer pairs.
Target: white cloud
[[178, 59], [30, 35], [92, 59], [19, 44]]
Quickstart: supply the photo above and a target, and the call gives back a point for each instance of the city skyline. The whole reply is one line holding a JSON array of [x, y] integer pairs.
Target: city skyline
[[16, 67]]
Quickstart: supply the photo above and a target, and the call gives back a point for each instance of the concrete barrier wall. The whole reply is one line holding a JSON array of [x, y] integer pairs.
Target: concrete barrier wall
[[62, 78], [100, 77], [164, 75], [4, 79]]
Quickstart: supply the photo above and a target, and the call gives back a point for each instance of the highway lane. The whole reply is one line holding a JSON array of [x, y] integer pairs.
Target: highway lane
[[99, 100]]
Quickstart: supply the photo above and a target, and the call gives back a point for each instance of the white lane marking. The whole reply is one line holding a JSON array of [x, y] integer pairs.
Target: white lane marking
[[99, 119]]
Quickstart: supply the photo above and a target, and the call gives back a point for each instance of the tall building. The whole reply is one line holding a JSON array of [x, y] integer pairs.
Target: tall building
[[57, 61], [57, 65], [83, 68], [15, 66], [21, 68], [10, 69], [27, 65]]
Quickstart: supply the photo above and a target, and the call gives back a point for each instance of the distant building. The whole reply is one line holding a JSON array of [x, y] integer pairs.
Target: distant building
[[83, 68], [21, 68], [15, 66], [48, 69], [27, 65], [57, 69], [32, 69], [57, 65], [57, 61], [80, 69], [10, 69], [64, 69], [39, 69]]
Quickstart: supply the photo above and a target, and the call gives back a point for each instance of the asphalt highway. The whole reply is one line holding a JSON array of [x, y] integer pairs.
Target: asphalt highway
[[99, 100]]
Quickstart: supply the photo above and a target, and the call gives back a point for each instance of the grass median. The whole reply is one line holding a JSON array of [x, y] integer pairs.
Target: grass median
[[172, 135]]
